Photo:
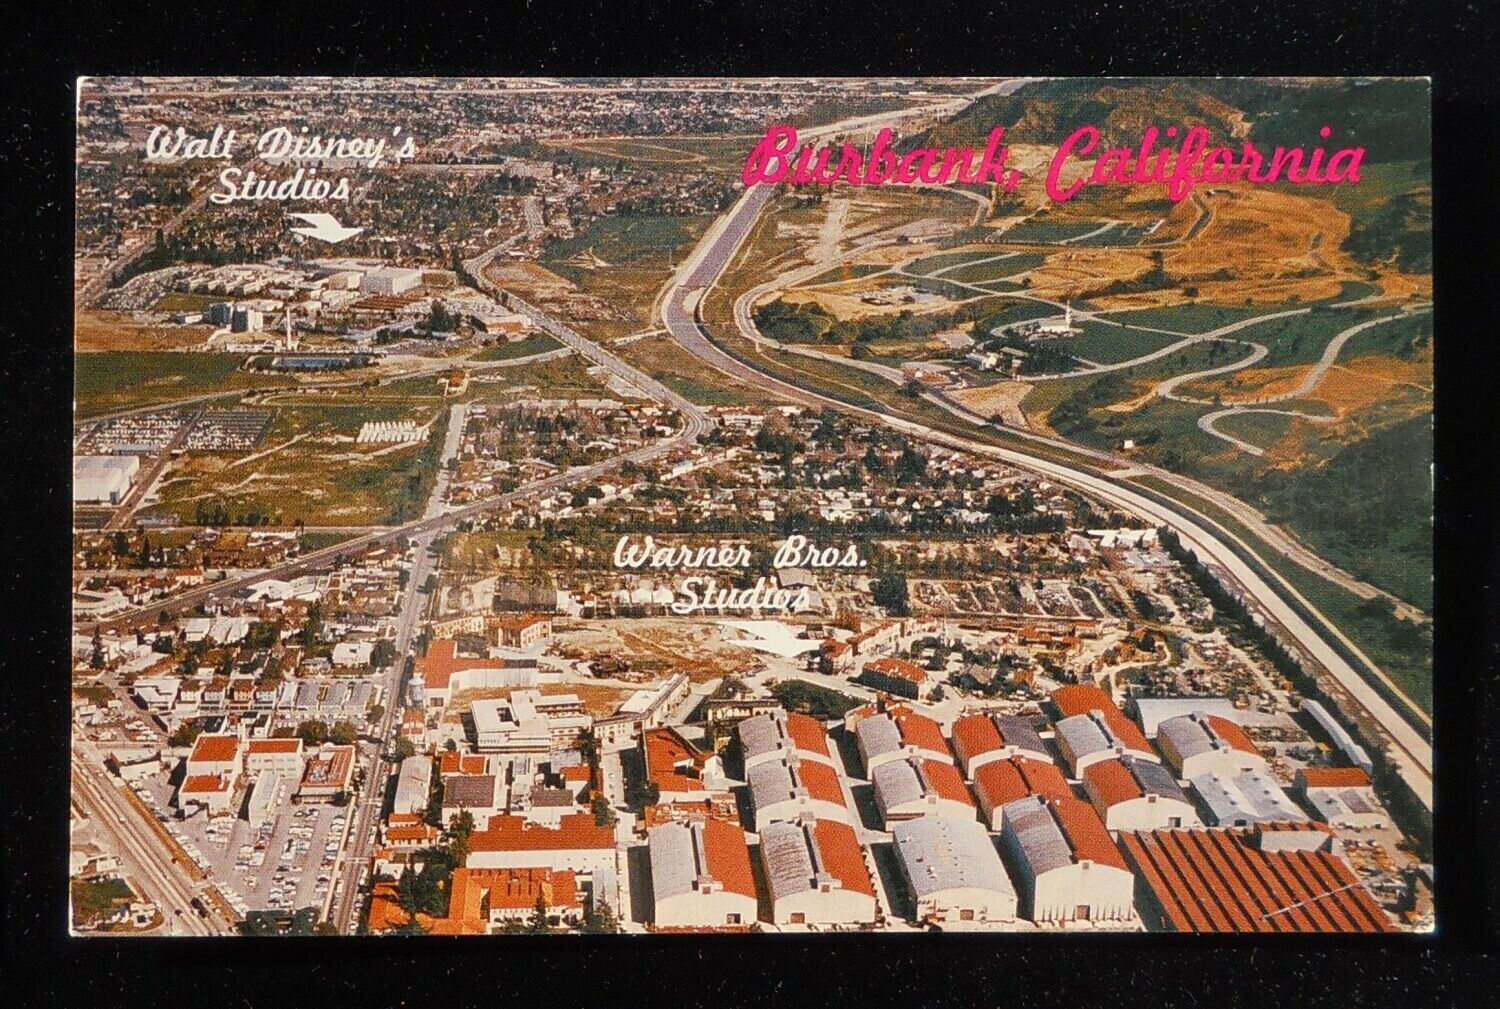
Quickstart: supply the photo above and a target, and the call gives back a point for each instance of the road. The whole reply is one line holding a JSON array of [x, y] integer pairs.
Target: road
[[1411, 753], [140, 848]]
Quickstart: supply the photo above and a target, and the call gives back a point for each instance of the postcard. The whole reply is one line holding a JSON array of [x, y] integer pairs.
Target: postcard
[[753, 505]]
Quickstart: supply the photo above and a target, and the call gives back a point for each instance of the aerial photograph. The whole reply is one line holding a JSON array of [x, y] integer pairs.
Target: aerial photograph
[[751, 505]]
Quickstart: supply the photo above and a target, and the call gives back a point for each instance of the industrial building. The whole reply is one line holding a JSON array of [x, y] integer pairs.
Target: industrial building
[[390, 280], [920, 786], [103, 479], [1067, 867], [701, 875], [1091, 737], [788, 790], [897, 734], [778, 735], [1255, 888], [985, 736], [1130, 794], [1001, 782], [413, 784], [1244, 799], [816, 873], [1342, 797], [953, 872], [529, 722], [1199, 743]]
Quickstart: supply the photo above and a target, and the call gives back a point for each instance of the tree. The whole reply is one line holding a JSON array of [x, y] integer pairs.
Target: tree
[[314, 732], [343, 732], [890, 592], [185, 734], [313, 626], [538, 924], [604, 813], [384, 653], [376, 713], [461, 827], [96, 657], [600, 919], [405, 748]]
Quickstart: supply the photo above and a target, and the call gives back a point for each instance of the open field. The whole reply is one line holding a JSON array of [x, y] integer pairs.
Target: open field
[[309, 468], [538, 343], [98, 330], [119, 380]]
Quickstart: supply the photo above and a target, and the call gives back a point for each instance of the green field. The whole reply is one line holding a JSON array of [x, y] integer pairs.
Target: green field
[[1045, 231], [182, 301], [122, 380], [634, 240]]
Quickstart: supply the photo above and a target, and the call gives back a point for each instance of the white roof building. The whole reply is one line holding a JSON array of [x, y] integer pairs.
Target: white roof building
[[103, 479], [953, 872], [413, 784], [918, 786], [1067, 866], [701, 876], [1245, 799]]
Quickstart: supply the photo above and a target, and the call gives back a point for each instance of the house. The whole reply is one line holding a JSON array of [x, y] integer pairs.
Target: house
[[789, 789], [1130, 794], [898, 733], [701, 875], [1200, 743], [349, 654], [898, 677], [513, 842], [998, 783], [1342, 797], [1066, 866], [985, 736], [816, 873], [778, 735], [954, 874], [919, 786]]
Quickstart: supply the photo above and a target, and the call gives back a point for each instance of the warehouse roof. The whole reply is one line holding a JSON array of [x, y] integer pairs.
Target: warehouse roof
[[780, 732], [1094, 732], [1197, 733], [1003, 781], [1082, 699], [988, 731], [915, 778], [1117, 781], [803, 855], [685, 857], [1252, 796], [943, 853], [1052, 833], [1217, 881], [778, 780]]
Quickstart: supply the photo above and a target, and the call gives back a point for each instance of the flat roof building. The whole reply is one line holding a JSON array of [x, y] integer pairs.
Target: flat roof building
[[413, 785], [1244, 799], [103, 479]]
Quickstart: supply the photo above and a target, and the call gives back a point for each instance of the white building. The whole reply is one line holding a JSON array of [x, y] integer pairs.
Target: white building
[[778, 735], [280, 756], [1342, 797], [1130, 794], [1244, 799], [103, 479], [1093, 736], [899, 734], [701, 875], [918, 786], [1198, 743], [1066, 865], [390, 280], [413, 785], [816, 873], [953, 872], [529, 722], [787, 790]]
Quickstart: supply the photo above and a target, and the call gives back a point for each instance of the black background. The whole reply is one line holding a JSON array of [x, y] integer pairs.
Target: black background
[[50, 45]]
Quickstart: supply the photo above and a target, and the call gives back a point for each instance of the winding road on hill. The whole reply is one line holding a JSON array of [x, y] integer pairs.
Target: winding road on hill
[[1411, 752]]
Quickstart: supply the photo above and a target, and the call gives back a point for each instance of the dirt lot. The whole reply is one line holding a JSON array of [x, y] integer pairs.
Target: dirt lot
[[658, 646]]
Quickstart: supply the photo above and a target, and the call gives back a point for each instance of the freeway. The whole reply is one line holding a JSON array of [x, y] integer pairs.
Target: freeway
[[1411, 751]]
